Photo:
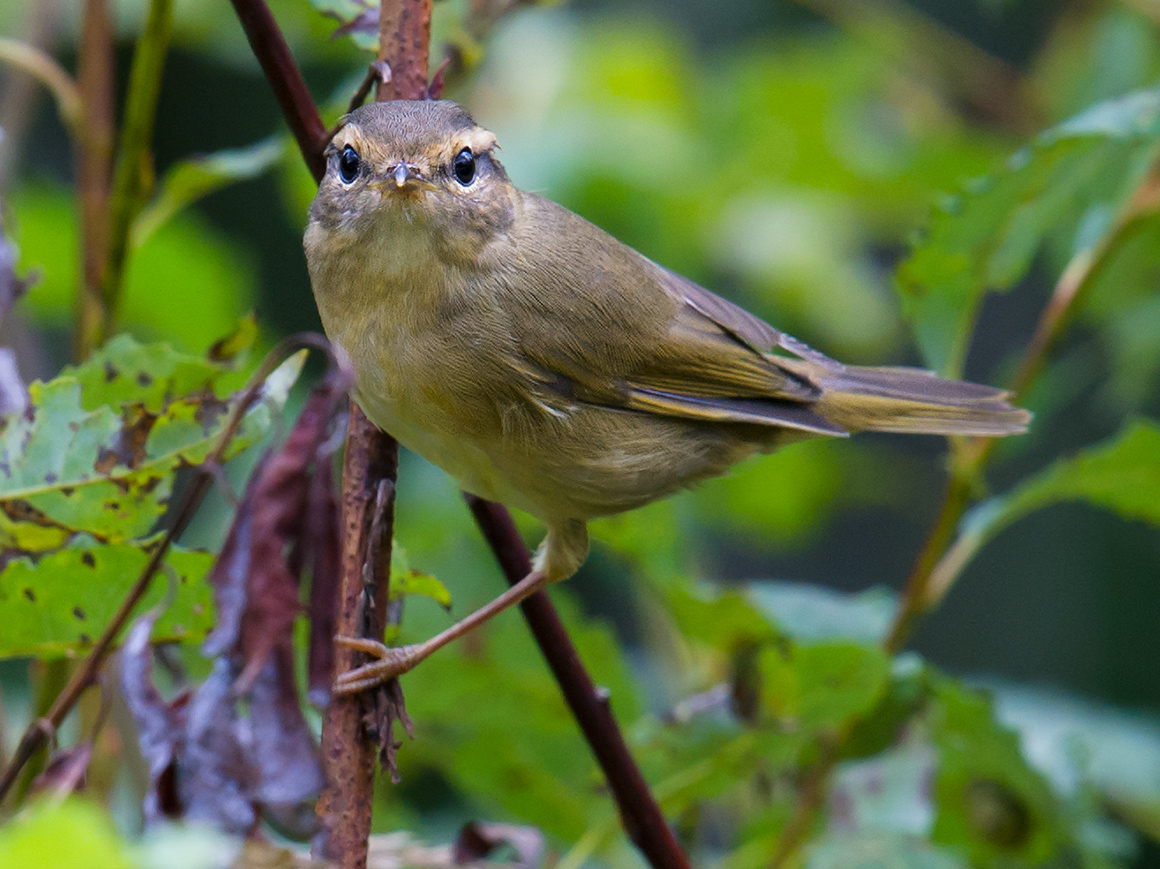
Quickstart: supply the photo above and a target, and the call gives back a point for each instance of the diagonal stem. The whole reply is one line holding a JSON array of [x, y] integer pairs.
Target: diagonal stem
[[639, 811]]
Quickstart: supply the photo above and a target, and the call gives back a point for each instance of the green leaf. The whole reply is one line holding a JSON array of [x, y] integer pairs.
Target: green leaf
[[191, 179], [821, 686], [107, 471], [991, 805], [406, 582], [1071, 180], [1121, 474], [73, 835], [719, 617], [127, 372], [812, 613], [878, 851], [61, 603]]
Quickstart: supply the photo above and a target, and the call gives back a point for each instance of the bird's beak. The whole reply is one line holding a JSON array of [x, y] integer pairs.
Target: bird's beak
[[401, 176]]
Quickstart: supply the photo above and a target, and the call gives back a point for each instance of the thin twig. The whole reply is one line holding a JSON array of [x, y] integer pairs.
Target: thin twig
[[44, 68], [285, 80], [19, 95], [43, 728], [639, 812], [94, 151]]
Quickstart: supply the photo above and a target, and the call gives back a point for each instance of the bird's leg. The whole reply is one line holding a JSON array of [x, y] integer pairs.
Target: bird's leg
[[393, 661]]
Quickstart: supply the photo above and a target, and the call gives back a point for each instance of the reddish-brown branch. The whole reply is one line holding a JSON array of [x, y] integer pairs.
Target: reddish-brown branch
[[345, 805], [348, 756], [639, 811], [404, 37], [285, 80]]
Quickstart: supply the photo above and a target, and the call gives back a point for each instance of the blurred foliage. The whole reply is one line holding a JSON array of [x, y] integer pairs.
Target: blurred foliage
[[787, 168]]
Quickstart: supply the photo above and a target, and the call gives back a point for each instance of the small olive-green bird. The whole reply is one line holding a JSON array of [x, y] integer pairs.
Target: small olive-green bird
[[546, 365]]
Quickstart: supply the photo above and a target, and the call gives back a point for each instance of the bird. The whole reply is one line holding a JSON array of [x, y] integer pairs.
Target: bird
[[548, 366]]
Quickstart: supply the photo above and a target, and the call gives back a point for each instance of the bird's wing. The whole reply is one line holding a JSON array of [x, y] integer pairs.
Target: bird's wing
[[620, 331]]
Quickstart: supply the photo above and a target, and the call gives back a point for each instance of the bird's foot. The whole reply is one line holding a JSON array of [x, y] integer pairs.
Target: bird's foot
[[393, 661]]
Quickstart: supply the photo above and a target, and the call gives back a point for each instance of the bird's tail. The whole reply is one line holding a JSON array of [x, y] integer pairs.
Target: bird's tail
[[911, 400]]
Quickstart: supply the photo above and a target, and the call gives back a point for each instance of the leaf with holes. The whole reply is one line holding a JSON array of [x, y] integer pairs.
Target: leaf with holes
[[59, 604], [97, 449]]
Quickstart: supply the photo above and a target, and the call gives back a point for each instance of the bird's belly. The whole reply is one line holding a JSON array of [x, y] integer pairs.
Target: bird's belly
[[550, 458], [418, 429]]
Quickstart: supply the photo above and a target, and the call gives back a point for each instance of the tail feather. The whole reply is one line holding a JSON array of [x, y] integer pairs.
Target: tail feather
[[913, 401]]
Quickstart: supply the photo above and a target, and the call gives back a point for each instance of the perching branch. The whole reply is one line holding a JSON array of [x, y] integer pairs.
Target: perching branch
[[639, 811], [368, 511]]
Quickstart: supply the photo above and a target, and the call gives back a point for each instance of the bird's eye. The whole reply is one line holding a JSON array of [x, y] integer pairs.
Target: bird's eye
[[348, 165], [464, 166]]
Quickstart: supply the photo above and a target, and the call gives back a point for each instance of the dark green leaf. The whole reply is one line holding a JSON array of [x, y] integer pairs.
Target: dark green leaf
[[188, 181], [821, 686], [1072, 179], [1121, 474], [991, 805]]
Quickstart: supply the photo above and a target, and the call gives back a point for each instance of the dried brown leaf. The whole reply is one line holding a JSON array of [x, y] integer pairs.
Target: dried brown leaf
[[65, 772], [478, 839]]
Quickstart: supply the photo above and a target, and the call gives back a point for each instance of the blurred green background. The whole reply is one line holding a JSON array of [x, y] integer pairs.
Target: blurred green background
[[783, 154]]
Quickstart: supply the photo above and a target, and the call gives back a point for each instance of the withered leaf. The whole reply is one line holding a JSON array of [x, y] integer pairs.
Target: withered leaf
[[478, 839]]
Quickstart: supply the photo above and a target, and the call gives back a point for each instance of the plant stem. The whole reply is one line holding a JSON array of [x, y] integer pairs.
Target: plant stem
[[44, 68], [133, 174], [639, 812], [273, 54], [943, 555], [94, 150], [970, 456], [371, 460], [345, 805]]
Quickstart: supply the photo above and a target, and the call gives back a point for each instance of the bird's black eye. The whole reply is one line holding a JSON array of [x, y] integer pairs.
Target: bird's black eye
[[348, 164], [464, 166]]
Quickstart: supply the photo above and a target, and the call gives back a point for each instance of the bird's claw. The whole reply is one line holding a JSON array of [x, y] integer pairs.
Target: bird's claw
[[392, 662]]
